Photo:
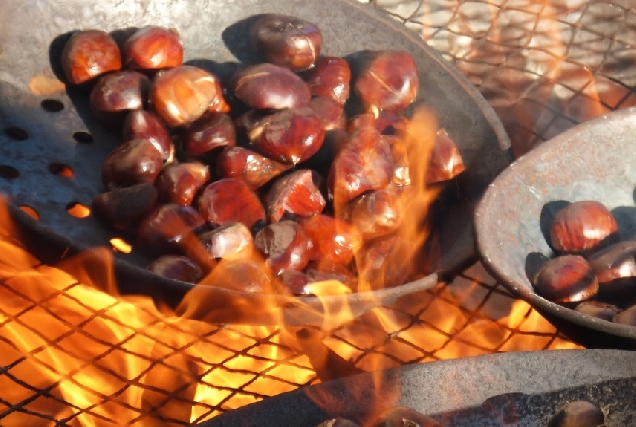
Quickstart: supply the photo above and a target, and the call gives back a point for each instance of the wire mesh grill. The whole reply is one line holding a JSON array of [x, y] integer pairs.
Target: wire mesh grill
[[73, 355]]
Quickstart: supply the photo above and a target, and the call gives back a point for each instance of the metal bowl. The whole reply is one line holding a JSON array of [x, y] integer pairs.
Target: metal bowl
[[592, 161], [41, 118]]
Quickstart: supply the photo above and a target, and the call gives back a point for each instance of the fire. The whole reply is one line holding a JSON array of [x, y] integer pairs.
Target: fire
[[78, 353]]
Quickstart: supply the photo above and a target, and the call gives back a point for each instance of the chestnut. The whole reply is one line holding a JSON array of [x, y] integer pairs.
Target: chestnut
[[294, 282], [287, 41], [231, 240], [114, 95], [338, 422], [363, 164], [330, 77], [253, 168], [134, 162], [583, 226], [285, 246], [402, 416], [183, 94], [388, 81], [153, 48], [615, 267], [147, 125], [177, 267], [230, 200], [375, 214], [210, 132], [289, 136], [329, 111], [385, 263], [179, 182], [599, 309], [323, 270], [578, 413], [566, 278], [401, 164], [446, 161], [332, 240], [626, 317], [240, 274], [89, 54], [297, 193], [268, 86], [122, 208]]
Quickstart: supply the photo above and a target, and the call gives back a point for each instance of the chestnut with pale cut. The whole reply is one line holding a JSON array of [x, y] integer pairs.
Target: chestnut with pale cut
[[253, 168], [230, 200], [582, 227], [285, 246], [389, 81], [183, 94], [287, 41], [153, 48], [268, 86], [231, 240], [566, 278], [297, 193], [89, 54]]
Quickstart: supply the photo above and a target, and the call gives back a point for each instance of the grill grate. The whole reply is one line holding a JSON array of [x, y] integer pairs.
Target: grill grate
[[544, 66]]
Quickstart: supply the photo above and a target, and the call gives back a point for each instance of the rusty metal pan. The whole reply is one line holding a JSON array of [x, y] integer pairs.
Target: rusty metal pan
[[591, 161], [44, 125], [507, 389]]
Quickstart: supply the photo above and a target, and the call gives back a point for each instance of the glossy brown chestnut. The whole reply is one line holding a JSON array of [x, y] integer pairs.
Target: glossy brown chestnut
[[583, 226], [287, 41], [177, 267], [363, 164], [179, 182], [182, 94], [446, 161], [122, 208], [134, 162], [297, 193], [333, 240], [599, 309], [147, 125], [385, 263], [268, 86], [401, 416], [375, 213], [386, 122], [230, 200], [389, 81], [566, 278], [172, 228], [330, 112], [114, 95], [240, 274], [330, 77], [294, 282], [153, 48], [615, 267], [289, 136], [231, 240], [578, 413], [89, 54], [253, 168], [284, 245], [210, 132]]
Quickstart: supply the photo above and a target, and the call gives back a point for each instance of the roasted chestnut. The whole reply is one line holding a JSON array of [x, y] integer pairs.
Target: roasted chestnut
[[566, 278], [330, 77], [179, 182], [147, 125], [615, 267], [230, 200], [153, 48], [297, 193], [134, 162], [122, 208], [626, 317], [599, 309], [240, 274], [579, 413], [287, 41], [388, 81], [446, 161], [114, 95], [212, 131], [375, 213], [177, 267], [329, 111], [385, 263], [89, 54], [231, 240], [583, 226], [268, 86], [182, 94], [253, 168], [285, 246], [332, 240]]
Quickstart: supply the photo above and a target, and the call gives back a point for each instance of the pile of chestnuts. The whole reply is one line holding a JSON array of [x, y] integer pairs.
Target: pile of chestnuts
[[592, 270], [261, 180]]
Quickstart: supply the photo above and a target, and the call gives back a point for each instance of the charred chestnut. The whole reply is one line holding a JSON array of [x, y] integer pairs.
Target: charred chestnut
[[566, 278], [388, 81], [182, 94], [583, 226], [153, 48], [89, 54], [287, 41], [268, 86]]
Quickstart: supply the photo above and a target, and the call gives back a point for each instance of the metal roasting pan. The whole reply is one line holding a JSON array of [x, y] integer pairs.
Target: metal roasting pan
[[41, 119]]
